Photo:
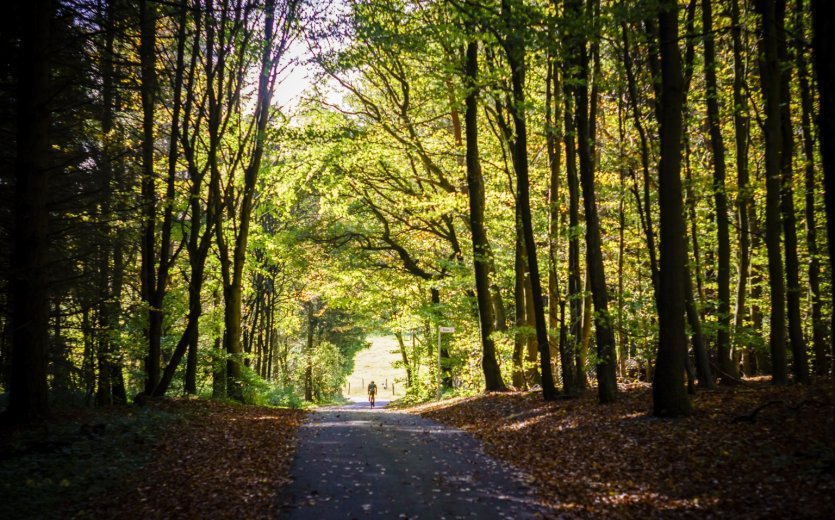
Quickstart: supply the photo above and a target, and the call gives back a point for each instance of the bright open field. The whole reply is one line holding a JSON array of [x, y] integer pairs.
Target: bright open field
[[376, 363]]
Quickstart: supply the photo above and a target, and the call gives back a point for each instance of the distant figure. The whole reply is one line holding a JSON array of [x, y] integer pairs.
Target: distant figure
[[372, 393]]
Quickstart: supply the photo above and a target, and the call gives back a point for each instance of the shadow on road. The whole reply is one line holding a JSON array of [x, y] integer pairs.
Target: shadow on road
[[357, 462]]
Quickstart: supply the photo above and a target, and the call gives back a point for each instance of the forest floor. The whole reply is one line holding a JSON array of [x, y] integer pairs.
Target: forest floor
[[753, 451], [175, 458]]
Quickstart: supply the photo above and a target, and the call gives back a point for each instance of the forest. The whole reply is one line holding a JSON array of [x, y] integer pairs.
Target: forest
[[581, 201], [226, 198]]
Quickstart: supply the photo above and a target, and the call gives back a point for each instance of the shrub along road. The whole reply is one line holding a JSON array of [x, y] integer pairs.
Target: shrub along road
[[355, 462]]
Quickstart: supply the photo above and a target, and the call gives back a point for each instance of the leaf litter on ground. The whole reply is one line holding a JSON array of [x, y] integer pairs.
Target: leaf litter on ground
[[616, 461], [753, 451], [172, 458]]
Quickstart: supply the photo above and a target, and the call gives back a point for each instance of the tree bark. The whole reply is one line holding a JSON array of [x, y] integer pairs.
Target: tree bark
[[575, 295], [515, 49], [308, 354], [148, 87], [743, 199], [770, 82], [807, 110], [233, 290], [670, 397], [173, 154], [823, 49], [405, 357], [723, 253], [110, 387], [28, 287], [481, 247], [531, 373], [446, 369], [604, 333], [800, 365], [520, 335], [555, 316]]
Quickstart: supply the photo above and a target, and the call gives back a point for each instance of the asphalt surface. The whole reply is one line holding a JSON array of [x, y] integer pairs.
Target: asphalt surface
[[355, 462]]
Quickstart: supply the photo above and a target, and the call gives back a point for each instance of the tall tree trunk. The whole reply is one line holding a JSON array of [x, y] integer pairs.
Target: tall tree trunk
[[148, 88], [497, 302], [266, 83], [308, 353], [481, 247], [200, 236], [556, 306], [405, 357], [823, 49], [88, 367], [694, 318], [110, 272], [723, 348], [760, 361], [585, 332], [531, 373], [669, 394], [604, 333], [28, 285], [770, 81], [218, 356], [575, 294], [800, 365], [696, 336], [155, 270], [515, 49], [520, 336], [807, 109], [197, 251], [743, 199], [623, 353], [446, 369]]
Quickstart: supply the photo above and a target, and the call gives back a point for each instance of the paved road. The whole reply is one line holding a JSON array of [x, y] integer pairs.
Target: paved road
[[354, 462]]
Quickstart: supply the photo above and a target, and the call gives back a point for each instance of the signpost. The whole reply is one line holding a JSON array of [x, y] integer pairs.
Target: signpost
[[441, 330]]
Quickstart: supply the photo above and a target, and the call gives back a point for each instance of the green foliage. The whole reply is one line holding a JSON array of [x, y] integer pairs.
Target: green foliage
[[361, 205]]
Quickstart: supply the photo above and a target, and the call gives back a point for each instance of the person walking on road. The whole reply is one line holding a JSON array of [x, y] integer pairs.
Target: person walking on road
[[372, 393]]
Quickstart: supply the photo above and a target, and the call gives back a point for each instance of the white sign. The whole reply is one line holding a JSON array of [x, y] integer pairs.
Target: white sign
[[446, 329]]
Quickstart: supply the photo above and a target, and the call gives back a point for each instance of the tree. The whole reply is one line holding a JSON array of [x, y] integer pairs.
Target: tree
[[28, 284], [575, 291], [514, 46], [111, 385], [823, 48], [553, 102], [807, 110], [481, 247], [669, 396], [743, 199], [273, 48], [604, 328], [150, 293], [800, 366], [769, 63], [727, 366], [174, 145]]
